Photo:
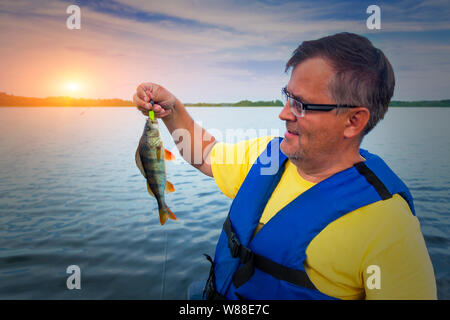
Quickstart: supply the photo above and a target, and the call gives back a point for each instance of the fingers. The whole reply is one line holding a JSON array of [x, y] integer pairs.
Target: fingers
[[143, 88], [160, 112], [150, 91], [140, 104], [151, 105], [142, 98], [145, 107], [148, 96]]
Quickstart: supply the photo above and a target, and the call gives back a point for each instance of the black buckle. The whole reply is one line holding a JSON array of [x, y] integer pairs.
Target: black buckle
[[234, 244]]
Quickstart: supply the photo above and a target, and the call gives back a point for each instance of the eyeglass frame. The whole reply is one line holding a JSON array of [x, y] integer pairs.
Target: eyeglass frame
[[309, 106]]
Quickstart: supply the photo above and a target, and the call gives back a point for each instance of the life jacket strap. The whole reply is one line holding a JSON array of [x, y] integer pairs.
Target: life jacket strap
[[250, 261], [371, 177], [210, 292]]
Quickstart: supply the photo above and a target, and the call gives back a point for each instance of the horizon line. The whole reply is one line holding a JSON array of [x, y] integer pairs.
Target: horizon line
[[212, 103]]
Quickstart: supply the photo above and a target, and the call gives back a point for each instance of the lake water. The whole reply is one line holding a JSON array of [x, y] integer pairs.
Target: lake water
[[70, 194]]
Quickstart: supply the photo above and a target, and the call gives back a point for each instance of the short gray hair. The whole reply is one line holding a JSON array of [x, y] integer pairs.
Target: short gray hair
[[363, 75]]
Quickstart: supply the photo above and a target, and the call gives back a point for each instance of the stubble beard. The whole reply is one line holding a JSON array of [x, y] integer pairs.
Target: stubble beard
[[293, 156]]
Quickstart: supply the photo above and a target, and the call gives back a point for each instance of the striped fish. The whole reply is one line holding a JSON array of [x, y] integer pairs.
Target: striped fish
[[150, 156]]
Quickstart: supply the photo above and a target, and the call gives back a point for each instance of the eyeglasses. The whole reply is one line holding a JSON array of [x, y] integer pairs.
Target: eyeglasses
[[298, 107]]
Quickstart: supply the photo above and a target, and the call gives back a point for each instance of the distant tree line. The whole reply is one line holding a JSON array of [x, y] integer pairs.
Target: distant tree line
[[242, 103], [424, 103], [7, 100], [17, 101]]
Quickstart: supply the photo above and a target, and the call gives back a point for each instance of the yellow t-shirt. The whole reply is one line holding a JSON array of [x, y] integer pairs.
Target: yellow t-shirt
[[375, 252]]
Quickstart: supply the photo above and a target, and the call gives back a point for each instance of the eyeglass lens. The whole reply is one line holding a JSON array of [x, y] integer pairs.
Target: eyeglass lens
[[295, 106]]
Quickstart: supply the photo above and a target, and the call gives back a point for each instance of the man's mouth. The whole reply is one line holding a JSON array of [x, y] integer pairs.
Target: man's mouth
[[290, 133]]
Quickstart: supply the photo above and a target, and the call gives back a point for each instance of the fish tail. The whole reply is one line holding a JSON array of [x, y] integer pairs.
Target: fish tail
[[165, 213]]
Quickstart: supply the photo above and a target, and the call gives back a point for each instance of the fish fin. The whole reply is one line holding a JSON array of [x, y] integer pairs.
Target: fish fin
[[139, 162], [169, 187], [165, 213], [150, 190], [168, 155]]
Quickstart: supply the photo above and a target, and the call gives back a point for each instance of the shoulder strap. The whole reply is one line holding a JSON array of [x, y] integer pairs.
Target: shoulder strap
[[373, 180], [260, 181], [392, 183]]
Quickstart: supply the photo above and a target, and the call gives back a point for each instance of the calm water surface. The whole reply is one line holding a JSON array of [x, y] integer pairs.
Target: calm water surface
[[70, 194]]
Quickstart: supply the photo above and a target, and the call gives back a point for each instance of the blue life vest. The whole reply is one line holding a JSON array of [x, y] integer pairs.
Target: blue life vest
[[270, 265]]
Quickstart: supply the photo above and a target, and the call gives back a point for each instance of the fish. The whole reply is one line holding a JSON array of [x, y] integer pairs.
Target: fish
[[150, 159]]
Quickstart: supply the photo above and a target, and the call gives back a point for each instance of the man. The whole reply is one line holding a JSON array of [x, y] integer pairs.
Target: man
[[332, 221]]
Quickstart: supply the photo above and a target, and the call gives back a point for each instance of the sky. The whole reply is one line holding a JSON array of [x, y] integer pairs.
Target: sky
[[208, 51]]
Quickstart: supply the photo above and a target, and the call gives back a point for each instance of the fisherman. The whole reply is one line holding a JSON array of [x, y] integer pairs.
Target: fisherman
[[332, 221]]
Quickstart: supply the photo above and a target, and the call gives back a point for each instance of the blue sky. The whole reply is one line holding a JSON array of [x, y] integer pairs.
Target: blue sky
[[212, 51]]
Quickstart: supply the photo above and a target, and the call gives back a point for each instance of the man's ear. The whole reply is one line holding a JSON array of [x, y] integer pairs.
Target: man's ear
[[357, 119]]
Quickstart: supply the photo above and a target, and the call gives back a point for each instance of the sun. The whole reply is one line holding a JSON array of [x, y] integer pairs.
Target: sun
[[73, 87]]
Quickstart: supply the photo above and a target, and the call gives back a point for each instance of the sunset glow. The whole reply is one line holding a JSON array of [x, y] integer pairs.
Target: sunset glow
[[73, 87]]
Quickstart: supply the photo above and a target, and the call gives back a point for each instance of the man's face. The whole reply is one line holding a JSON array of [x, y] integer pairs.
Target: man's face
[[318, 133]]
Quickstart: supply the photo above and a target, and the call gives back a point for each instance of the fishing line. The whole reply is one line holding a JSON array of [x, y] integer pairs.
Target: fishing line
[[163, 285]]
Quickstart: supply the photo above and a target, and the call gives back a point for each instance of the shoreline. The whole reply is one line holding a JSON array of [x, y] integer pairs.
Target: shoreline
[[8, 100], [194, 106]]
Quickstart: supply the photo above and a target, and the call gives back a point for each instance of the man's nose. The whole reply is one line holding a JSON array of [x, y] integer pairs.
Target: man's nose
[[286, 113]]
